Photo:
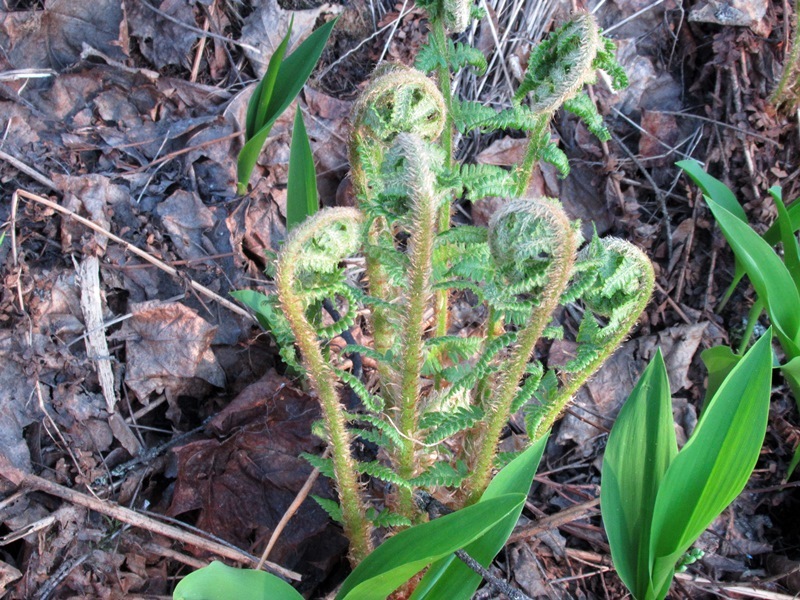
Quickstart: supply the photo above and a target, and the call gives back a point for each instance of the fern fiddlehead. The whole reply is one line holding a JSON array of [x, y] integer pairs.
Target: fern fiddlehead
[[397, 100], [308, 264], [534, 244], [558, 68], [617, 287]]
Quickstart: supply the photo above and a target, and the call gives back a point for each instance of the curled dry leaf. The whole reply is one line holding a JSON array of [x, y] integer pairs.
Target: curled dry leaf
[[53, 37], [243, 483], [604, 394], [168, 348]]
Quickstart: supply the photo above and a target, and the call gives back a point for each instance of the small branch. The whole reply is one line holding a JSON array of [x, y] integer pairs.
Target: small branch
[[498, 584], [140, 253], [126, 515]]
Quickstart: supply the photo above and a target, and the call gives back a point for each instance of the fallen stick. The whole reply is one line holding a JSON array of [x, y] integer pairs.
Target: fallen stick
[[131, 517]]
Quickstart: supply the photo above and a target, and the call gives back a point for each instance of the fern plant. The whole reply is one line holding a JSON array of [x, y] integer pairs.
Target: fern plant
[[434, 410]]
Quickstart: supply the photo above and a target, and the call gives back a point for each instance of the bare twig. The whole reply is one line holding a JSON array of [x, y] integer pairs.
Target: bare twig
[[140, 253], [293, 507], [29, 171], [567, 515], [497, 583], [126, 515]]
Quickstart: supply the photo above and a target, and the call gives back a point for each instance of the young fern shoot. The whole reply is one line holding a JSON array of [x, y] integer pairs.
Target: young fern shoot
[[436, 405]]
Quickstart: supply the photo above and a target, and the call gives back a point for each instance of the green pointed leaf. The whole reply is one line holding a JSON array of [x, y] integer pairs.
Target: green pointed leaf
[[401, 557], [259, 101], [713, 188], [292, 76], [719, 361], [218, 581], [770, 278], [258, 303], [301, 195], [640, 448], [714, 466], [773, 234], [791, 371], [452, 579], [791, 251], [718, 191]]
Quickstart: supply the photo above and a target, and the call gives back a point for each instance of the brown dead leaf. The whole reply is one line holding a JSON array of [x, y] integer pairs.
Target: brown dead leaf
[[504, 152], [8, 574], [168, 348], [90, 196], [186, 219], [54, 37], [161, 41], [242, 485], [663, 129], [601, 398], [17, 409]]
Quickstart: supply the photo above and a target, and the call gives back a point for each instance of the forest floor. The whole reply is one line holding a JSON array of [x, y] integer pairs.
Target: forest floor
[[139, 406]]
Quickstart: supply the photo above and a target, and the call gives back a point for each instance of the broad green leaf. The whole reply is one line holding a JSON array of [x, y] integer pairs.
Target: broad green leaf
[[259, 101], [714, 466], [640, 449], [449, 577], [404, 555], [301, 194], [791, 371], [719, 361], [259, 303], [292, 76], [718, 191], [218, 581], [767, 273], [791, 251], [773, 234], [713, 188]]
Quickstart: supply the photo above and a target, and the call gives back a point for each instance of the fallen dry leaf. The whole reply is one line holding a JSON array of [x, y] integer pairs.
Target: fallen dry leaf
[[54, 37], [242, 485], [603, 395], [168, 350], [186, 219], [161, 41], [267, 26], [17, 409]]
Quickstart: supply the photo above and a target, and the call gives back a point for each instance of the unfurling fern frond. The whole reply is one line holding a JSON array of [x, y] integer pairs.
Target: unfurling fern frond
[[442, 474], [442, 425], [469, 377], [323, 465], [456, 14], [582, 106], [606, 60], [386, 429], [370, 401], [535, 371], [555, 156], [380, 471], [387, 518], [453, 347], [561, 64], [470, 115], [331, 507], [463, 55], [399, 100], [622, 281], [483, 181], [314, 250]]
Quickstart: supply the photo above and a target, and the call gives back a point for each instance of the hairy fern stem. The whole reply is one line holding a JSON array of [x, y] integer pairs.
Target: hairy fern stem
[[312, 247]]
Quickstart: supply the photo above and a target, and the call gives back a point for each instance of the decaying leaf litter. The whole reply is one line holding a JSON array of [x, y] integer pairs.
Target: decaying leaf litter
[[128, 114]]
